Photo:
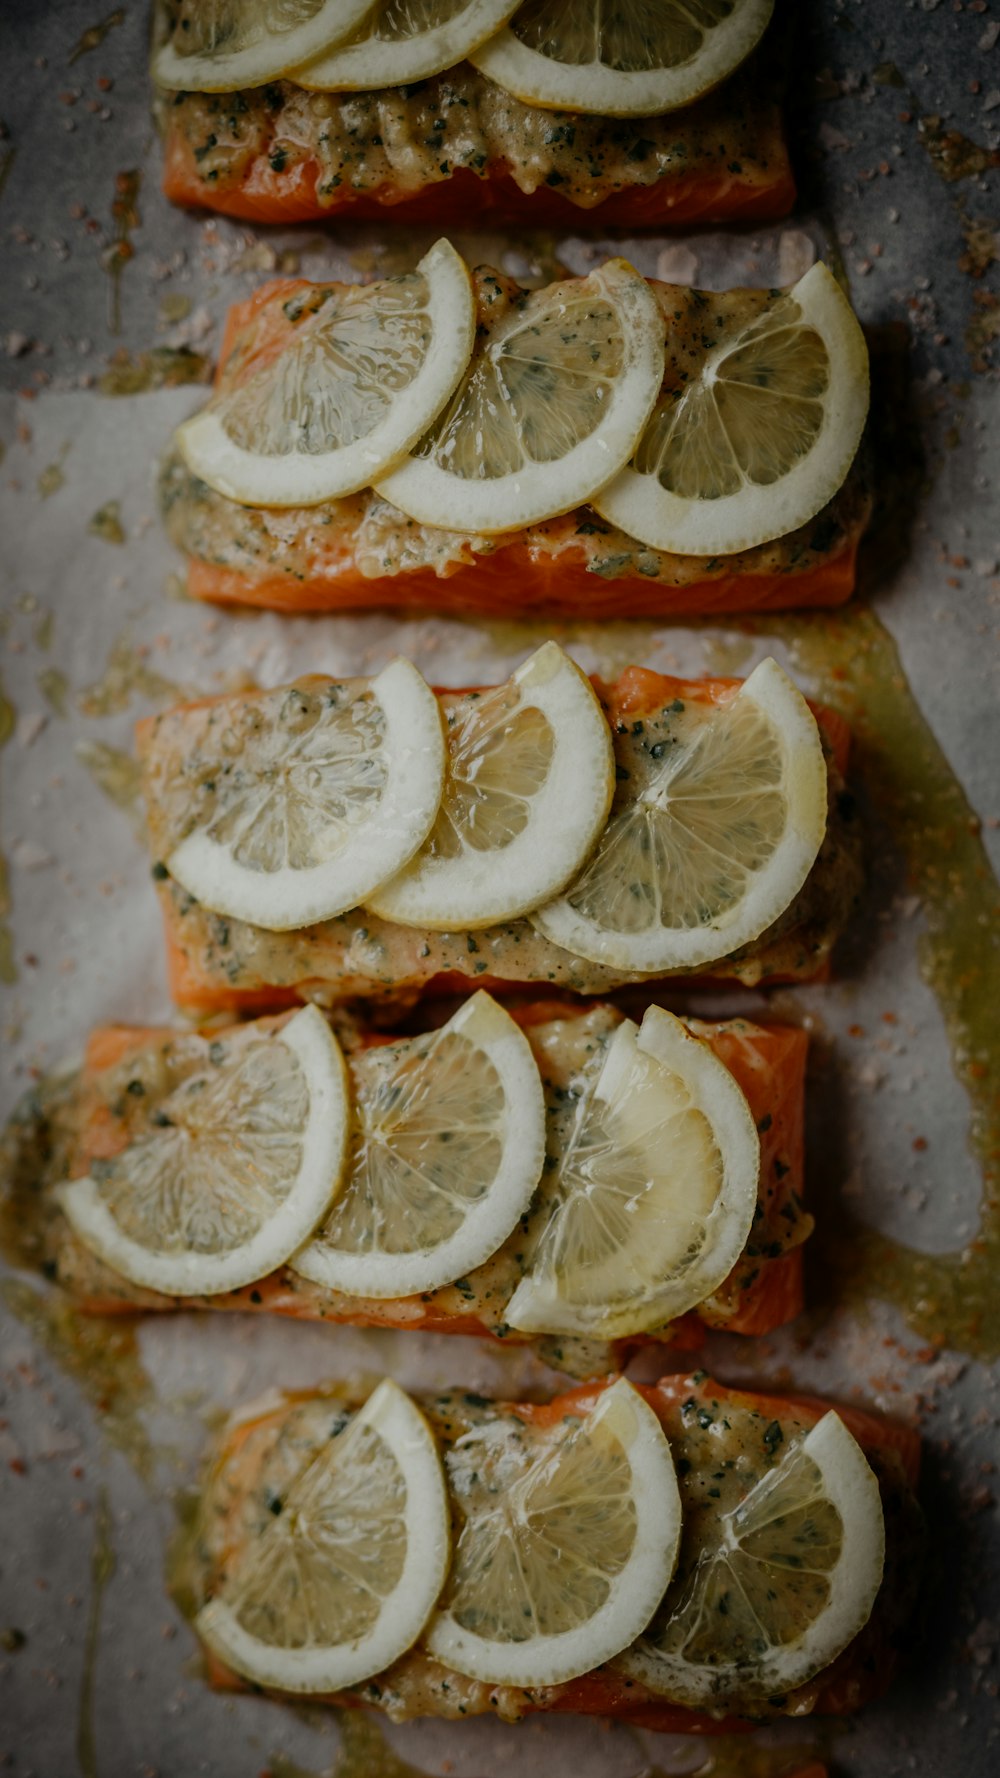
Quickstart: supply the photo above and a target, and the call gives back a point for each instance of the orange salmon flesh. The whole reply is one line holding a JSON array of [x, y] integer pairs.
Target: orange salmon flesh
[[455, 149]]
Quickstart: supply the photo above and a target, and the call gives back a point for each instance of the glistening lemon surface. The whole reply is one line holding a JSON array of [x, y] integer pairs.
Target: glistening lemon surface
[[366, 370], [635, 60], [448, 1148], [527, 792], [244, 1149], [344, 1578]]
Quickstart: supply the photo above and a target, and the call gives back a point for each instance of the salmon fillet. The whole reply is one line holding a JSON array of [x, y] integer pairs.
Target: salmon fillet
[[763, 1291], [701, 1418], [219, 964], [360, 552], [456, 150]]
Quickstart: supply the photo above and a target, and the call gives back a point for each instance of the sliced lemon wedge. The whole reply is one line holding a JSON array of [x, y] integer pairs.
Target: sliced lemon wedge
[[311, 796], [218, 46], [769, 1592], [749, 443], [449, 1147], [626, 61], [244, 1148], [395, 45], [710, 838], [568, 1539], [652, 1195], [528, 787], [362, 378], [554, 402], [344, 1578]]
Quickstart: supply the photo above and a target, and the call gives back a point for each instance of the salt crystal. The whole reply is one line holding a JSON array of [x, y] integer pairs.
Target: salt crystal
[[676, 265], [796, 255]]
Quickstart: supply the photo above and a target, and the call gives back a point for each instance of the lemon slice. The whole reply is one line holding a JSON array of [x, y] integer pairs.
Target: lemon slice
[[626, 61], [653, 1194], [245, 1147], [754, 441], [343, 1580], [396, 44], [218, 46], [312, 796], [769, 1593], [569, 1537], [530, 778], [710, 841], [361, 380], [551, 408], [449, 1149]]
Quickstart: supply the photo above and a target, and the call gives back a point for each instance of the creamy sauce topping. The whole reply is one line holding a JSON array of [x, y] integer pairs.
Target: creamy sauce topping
[[404, 138]]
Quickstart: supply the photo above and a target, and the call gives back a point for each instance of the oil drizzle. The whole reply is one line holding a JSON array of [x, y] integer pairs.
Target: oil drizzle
[[125, 217], [102, 1567], [125, 676], [364, 1751], [94, 37], [8, 968], [118, 775], [162, 367], [737, 1756], [948, 1298]]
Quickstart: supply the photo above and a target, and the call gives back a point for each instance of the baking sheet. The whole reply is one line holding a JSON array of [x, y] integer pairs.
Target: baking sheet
[[97, 1670]]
